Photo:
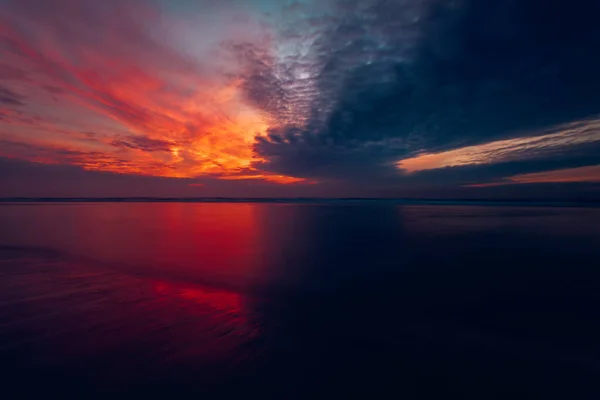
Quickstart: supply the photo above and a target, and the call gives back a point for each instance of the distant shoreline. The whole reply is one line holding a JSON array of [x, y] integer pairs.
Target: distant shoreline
[[304, 200]]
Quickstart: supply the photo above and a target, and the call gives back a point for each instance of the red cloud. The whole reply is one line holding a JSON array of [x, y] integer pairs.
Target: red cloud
[[113, 59]]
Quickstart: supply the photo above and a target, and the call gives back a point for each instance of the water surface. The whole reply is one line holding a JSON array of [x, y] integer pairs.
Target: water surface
[[301, 300]]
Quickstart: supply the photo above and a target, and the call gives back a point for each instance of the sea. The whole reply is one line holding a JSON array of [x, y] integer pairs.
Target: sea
[[300, 299]]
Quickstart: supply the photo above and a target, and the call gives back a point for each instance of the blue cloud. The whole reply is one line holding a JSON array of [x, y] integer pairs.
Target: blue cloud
[[388, 79]]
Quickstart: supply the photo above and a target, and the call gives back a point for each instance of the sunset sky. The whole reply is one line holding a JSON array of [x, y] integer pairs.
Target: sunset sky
[[253, 98]]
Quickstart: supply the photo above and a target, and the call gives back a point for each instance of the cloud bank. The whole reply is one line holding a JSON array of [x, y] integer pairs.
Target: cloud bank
[[359, 93]]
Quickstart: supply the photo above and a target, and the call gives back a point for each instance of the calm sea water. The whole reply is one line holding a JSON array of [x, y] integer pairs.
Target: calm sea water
[[300, 300]]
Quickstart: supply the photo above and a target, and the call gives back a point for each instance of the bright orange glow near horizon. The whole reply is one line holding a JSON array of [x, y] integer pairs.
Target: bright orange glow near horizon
[[119, 98]]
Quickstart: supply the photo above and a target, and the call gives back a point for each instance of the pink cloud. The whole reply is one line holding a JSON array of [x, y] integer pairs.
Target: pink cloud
[[111, 60]]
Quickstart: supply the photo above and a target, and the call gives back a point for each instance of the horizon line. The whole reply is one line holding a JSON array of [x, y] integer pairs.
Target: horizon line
[[420, 200]]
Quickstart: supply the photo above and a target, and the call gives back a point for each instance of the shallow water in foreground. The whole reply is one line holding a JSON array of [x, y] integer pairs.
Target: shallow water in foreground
[[300, 300]]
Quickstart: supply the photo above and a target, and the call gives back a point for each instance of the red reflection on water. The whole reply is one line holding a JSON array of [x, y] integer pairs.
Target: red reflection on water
[[217, 301], [131, 288], [220, 240], [210, 243], [70, 313]]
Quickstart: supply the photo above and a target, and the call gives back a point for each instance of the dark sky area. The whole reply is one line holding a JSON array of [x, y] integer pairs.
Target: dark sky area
[[373, 98]]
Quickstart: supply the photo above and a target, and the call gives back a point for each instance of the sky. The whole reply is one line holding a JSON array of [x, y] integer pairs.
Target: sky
[[336, 98]]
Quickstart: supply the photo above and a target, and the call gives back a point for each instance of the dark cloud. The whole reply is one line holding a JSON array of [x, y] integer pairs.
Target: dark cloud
[[397, 77], [53, 89], [142, 143], [577, 156], [351, 90], [261, 85], [10, 98], [90, 160], [27, 179]]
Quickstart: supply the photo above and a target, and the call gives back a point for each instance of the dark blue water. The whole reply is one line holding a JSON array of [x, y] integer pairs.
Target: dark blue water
[[376, 300]]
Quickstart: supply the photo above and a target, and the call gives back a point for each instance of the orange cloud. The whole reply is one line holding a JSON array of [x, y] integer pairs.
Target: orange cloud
[[506, 150], [568, 175], [283, 179], [175, 116]]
